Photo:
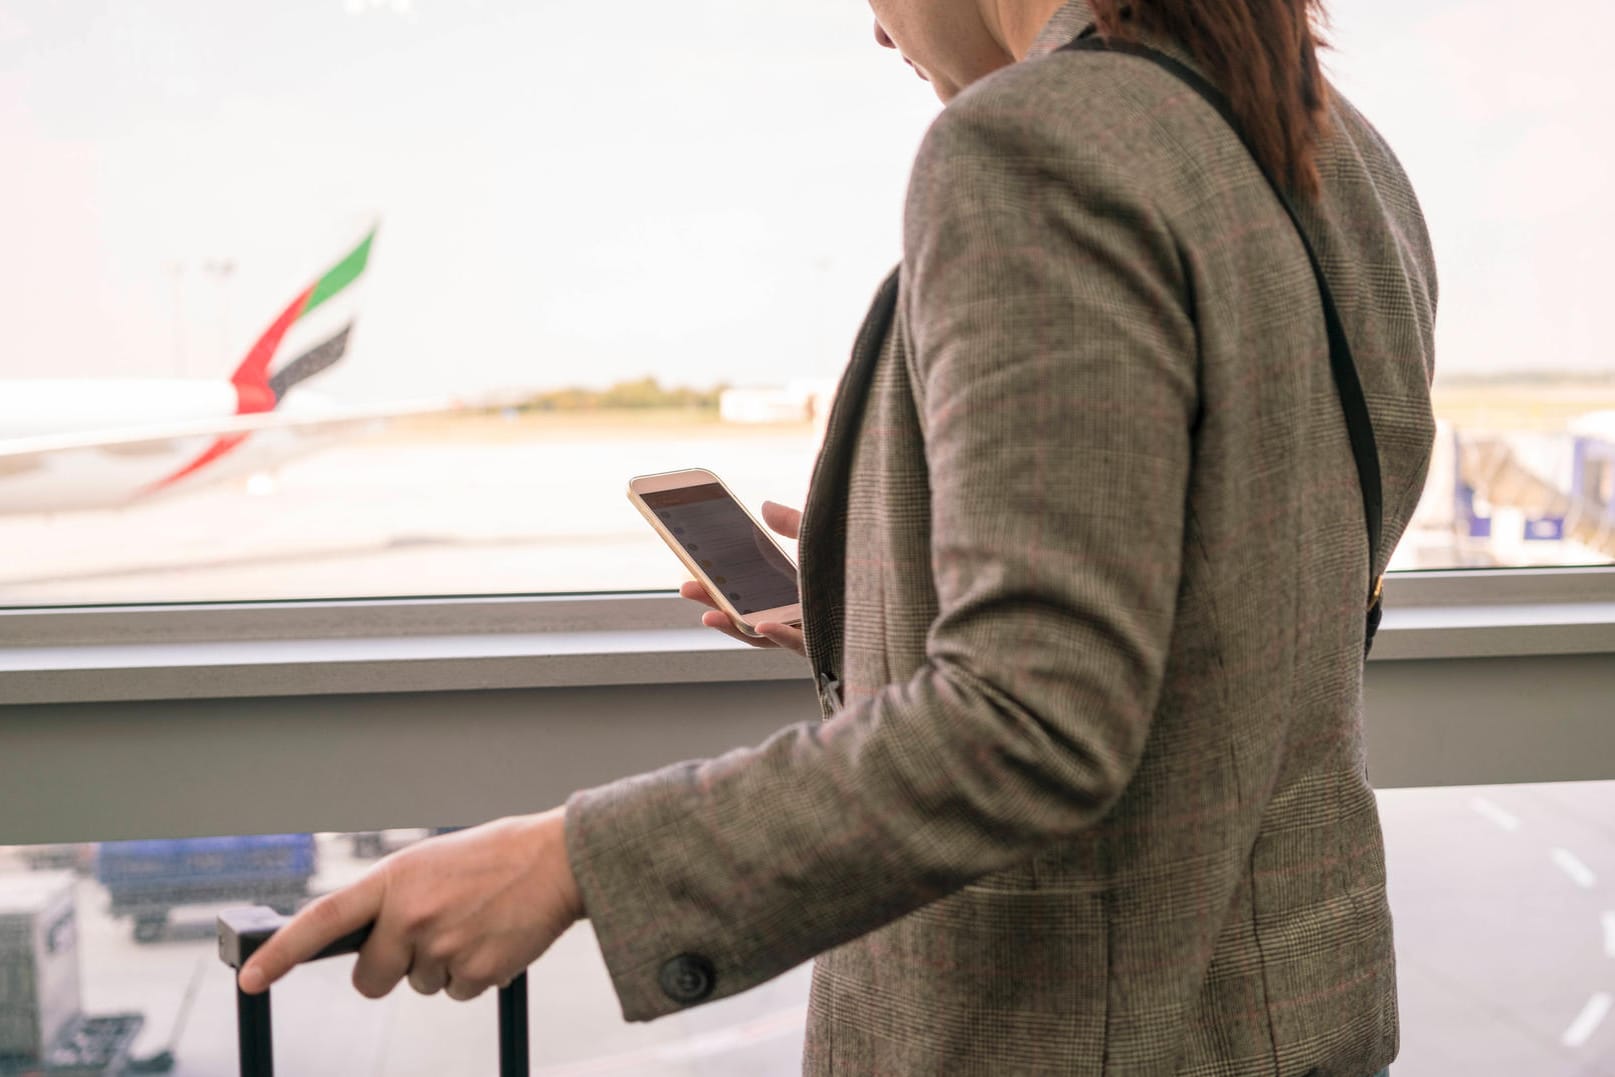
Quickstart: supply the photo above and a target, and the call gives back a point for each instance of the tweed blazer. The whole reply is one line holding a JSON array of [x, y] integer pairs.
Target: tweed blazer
[[1085, 551]]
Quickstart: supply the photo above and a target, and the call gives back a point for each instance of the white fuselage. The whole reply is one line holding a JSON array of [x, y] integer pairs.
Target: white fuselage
[[37, 407], [100, 453]]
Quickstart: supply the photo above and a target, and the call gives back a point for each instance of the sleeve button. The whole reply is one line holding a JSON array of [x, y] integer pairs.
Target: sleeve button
[[687, 978]]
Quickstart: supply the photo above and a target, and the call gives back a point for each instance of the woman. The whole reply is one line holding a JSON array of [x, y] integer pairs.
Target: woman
[[1085, 571]]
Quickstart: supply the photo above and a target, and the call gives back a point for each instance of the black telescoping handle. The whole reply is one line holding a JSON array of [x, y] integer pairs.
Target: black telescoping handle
[[242, 931]]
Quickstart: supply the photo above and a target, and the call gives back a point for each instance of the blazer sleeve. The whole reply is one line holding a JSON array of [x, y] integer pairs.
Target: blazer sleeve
[[1056, 356]]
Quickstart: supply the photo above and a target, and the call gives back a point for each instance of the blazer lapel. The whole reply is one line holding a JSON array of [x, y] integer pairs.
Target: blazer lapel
[[823, 539]]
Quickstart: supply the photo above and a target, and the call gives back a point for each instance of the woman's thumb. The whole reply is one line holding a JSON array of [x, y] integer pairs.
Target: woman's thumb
[[786, 521]]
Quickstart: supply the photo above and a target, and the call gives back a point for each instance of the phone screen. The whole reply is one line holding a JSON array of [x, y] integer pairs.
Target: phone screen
[[729, 547]]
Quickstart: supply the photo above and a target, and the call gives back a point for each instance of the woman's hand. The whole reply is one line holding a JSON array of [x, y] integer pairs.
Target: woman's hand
[[459, 913], [783, 521]]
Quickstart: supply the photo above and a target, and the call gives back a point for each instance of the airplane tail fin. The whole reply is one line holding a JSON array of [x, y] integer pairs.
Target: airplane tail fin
[[298, 344]]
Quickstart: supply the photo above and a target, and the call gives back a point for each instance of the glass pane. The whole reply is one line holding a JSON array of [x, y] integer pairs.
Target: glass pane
[[1505, 928], [1505, 938], [108, 954], [1501, 125], [602, 246], [609, 249]]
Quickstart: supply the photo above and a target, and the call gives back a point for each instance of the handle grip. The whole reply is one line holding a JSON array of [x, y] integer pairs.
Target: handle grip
[[243, 931]]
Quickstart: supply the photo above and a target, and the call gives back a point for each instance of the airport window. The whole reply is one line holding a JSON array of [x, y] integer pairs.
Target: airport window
[[499, 313], [1501, 140], [363, 298], [470, 265]]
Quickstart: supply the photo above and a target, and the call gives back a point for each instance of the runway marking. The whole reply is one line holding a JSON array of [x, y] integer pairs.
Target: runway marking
[[1587, 1021], [1580, 874], [1488, 810], [717, 1042], [1609, 934]]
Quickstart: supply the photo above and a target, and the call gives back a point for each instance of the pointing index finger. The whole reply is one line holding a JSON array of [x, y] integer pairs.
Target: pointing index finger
[[322, 922]]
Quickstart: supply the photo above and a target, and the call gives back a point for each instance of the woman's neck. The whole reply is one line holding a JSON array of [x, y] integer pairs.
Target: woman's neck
[[1015, 24]]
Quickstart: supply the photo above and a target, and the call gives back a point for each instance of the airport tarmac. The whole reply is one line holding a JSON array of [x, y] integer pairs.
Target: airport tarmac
[[534, 506], [1504, 900], [520, 504]]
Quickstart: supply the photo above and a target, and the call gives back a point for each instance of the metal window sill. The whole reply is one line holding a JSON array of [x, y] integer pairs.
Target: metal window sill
[[371, 665], [500, 658], [1496, 631]]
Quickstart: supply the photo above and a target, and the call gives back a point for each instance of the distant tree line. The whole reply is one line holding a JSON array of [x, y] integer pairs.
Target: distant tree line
[[1467, 379], [641, 393]]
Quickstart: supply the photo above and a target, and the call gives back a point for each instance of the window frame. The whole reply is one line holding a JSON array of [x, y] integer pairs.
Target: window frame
[[1481, 589], [258, 649], [125, 723]]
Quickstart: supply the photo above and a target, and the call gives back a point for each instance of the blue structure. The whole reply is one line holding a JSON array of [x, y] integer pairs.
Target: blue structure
[[146, 879]]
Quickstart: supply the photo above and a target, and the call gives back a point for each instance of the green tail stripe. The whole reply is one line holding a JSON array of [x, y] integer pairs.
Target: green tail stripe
[[341, 275]]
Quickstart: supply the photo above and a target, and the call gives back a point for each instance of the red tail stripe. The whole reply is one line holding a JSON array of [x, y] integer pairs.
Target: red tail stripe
[[251, 378], [251, 381], [221, 445]]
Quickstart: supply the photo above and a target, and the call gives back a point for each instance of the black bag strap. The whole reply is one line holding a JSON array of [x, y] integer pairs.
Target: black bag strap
[[1347, 383]]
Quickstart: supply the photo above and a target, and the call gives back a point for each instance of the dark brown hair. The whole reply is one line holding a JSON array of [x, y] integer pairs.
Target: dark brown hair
[[1262, 53]]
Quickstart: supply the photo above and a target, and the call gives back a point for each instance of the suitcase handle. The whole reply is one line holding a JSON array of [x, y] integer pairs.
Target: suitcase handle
[[243, 931]]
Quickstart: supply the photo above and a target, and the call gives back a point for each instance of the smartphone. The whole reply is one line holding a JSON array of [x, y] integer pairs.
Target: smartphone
[[745, 571]]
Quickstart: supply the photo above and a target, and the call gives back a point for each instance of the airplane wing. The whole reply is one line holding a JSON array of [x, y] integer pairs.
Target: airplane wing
[[17, 454], [104, 468]]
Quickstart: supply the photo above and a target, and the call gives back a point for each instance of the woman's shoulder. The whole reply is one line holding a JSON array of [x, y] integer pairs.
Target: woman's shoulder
[[1110, 120], [1047, 96], [1073, 115]]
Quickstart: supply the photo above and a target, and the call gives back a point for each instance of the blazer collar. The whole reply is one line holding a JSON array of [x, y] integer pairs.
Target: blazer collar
[[1076, 16], [822, 549], [1071, 20]]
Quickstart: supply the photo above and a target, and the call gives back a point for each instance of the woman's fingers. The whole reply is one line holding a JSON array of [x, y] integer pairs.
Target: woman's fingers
[[383, 961], [786, 521], [692, 590], [427, 978], [456, 914], [320, 923], [716, 618], [462, 992], [720, 620], [784, 636], [771, 634]]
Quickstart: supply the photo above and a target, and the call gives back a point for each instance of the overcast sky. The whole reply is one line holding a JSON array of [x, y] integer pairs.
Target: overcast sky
[[703, 190]]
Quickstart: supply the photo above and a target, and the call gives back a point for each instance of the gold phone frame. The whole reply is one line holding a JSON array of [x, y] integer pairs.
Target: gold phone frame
[[662, 481]]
